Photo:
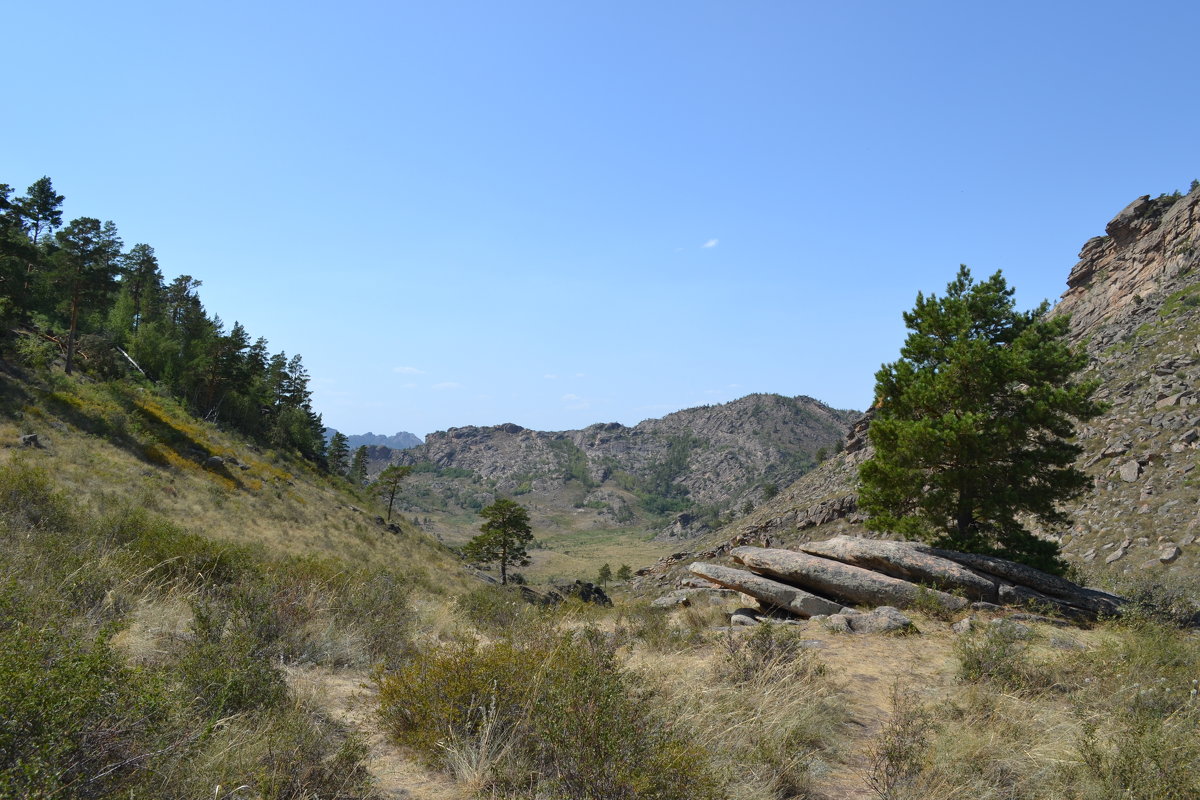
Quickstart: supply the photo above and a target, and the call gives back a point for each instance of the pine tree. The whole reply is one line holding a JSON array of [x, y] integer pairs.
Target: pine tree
[[85, 267], [604, 575], [389, 484], [338, 453], [503, 537], [42, 208], [624, 573], [358, 467], [972, 424]]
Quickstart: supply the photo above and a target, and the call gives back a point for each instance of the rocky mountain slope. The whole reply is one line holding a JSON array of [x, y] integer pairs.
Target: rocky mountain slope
[[692, 466], [1134, 301]]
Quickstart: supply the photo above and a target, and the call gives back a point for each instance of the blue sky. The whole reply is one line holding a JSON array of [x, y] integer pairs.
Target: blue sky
[[559, 213]]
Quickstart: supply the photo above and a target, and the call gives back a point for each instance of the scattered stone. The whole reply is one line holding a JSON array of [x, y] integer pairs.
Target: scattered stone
[[696, 582], [744, 617], [838, 623], [671, 600], [1130, 471], [964, 625], [1065, 643], [1169, 554], [214, 462], [30, 440], [1116, 555], [1016, 630], [884, 619], [1115, 449], [992, 607]]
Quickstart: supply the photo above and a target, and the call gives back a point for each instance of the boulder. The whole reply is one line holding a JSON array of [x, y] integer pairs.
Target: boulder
[[744, 617], [30, 440], [838, 623], [844, 582], [1130, 471], [671, 600], [767, 591], [902, 560], [884, 619]]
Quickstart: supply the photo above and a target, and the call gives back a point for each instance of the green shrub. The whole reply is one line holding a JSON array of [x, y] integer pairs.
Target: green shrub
[[998, 655], [28, 499], [73, 719], [227, 666], [495, 609], [553, 716]]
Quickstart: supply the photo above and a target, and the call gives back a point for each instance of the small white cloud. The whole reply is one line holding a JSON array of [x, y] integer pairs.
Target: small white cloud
[[567, 398], [550, 376], [711, 243], [580, 374], [447, 385], [408, 371]]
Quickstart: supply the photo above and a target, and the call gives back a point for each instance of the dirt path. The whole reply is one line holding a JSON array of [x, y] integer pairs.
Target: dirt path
[[868, 668], [349, 699]]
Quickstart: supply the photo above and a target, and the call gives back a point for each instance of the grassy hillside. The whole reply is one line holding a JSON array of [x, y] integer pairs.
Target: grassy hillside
[[171, 627]]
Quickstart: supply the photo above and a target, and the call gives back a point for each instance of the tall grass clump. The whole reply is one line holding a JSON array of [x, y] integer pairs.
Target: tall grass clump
[[760, 704], [1140, 713], [551, 715]]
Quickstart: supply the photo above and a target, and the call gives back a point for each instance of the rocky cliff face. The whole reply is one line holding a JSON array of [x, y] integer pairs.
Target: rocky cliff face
[[713, 456], [1134, 301]]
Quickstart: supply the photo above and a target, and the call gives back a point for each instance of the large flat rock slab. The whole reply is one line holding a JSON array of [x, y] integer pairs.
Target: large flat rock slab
[[1092, 601], [765, 590], [904, 561], [840, 581]]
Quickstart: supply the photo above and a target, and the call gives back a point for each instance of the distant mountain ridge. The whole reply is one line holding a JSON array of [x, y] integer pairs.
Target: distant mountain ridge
[[401, 440], [694, 466]]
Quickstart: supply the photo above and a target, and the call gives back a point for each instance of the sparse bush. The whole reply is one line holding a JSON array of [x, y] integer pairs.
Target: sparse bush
[[997, 655], [926, 602], [898, 755], [496, 609], [573, 723], [1164, 598], [769, 649], [641, 622]]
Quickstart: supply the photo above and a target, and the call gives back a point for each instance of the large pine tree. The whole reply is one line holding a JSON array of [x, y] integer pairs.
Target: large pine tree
[[973, 423]]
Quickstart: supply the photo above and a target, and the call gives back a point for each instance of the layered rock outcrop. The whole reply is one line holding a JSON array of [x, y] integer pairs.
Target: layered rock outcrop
[[848, 571]]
